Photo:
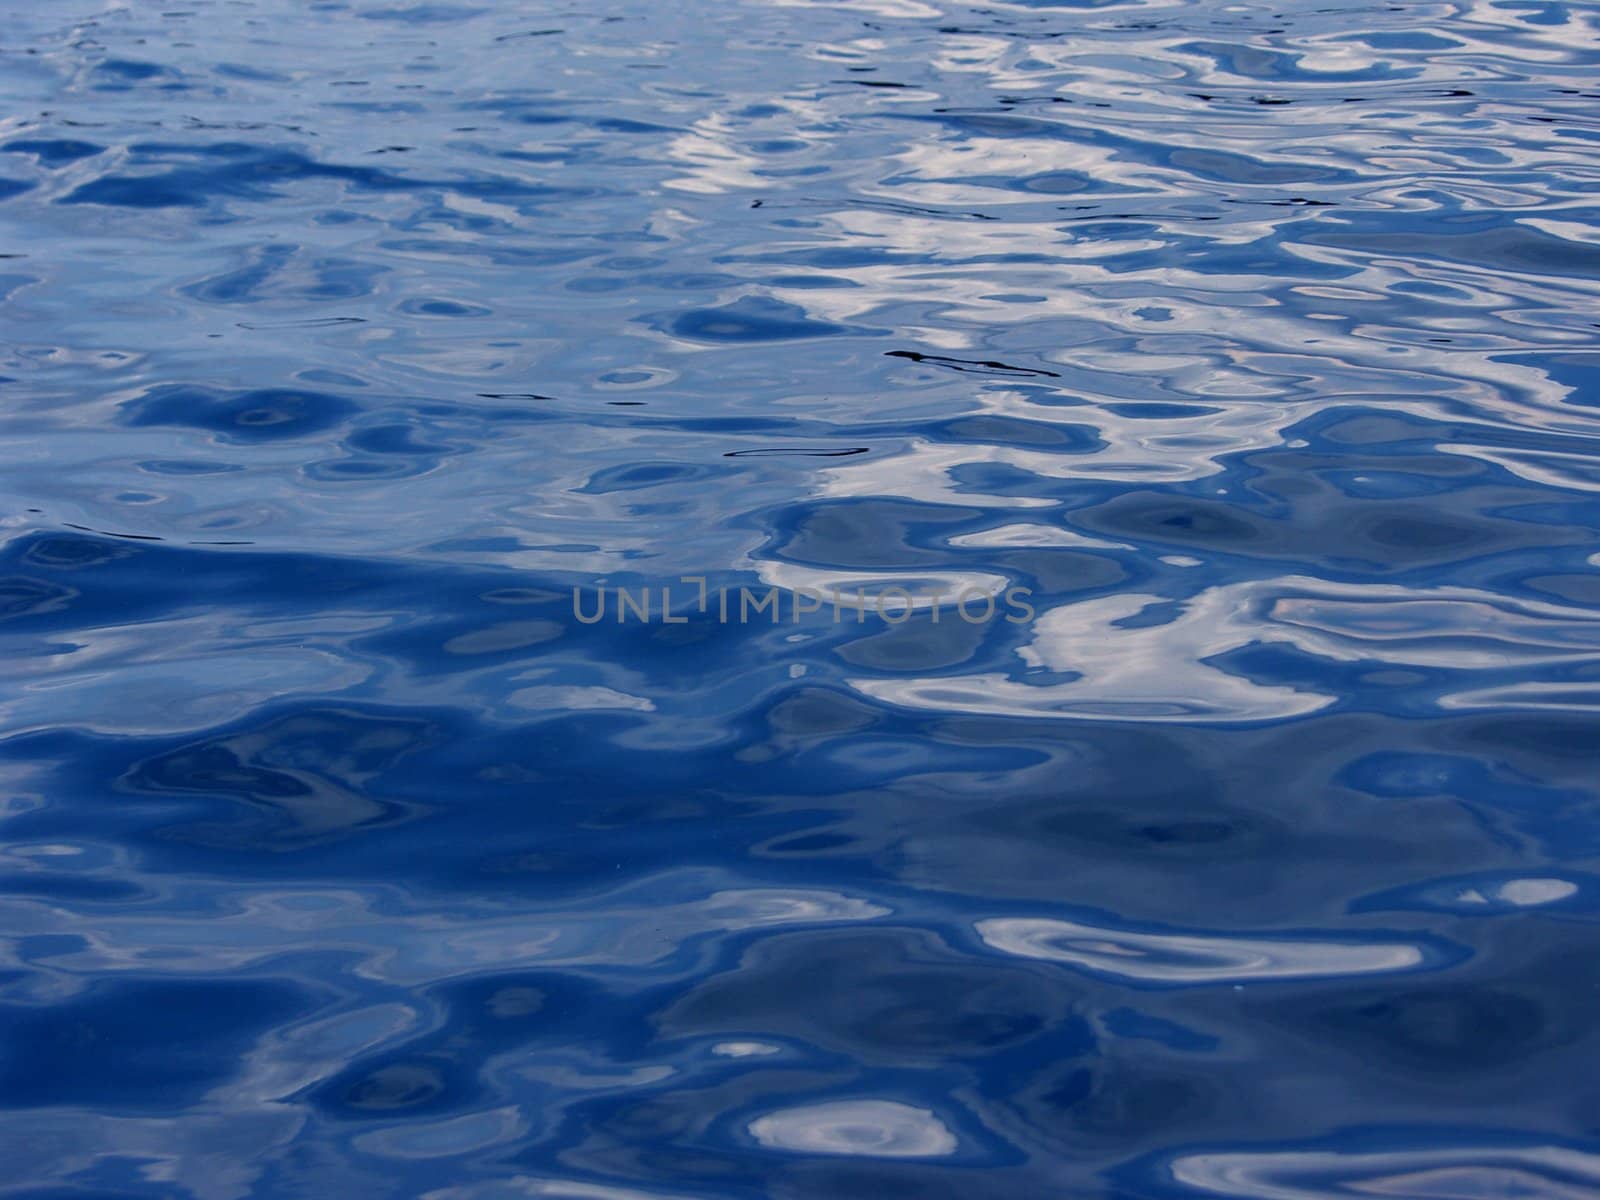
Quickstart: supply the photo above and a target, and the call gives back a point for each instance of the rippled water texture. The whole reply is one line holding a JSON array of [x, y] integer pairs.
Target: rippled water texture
[[1254, 345]]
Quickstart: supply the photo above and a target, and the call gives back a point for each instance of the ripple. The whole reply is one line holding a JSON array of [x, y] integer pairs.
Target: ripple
[[1242, 356], [864, 1128], [1178, 960], [1455, 1171]]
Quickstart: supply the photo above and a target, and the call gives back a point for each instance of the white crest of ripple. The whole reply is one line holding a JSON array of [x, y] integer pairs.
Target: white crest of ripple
[[751, 907], [1164, 670], [1444, 1173], [400, 945], [745, 1049], [862, 1128], [1149, 672], [527, 1187], [1520, 893], [846, 589], [1187, 958]]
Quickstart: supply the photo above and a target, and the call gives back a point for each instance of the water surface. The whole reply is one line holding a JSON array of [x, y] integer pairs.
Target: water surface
[[1255, 343]]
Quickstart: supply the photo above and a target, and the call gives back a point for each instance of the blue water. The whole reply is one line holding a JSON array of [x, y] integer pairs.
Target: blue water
[[1242, 357]]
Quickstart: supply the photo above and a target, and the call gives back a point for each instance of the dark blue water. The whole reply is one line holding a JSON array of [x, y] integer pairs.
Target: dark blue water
[[1233, 366]]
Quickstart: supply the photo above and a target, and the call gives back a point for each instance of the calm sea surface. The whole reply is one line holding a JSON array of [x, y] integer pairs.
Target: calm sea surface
[[874, 600]]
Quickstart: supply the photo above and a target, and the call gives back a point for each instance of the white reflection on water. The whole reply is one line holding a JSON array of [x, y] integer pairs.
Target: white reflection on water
[[526, 1187], [1190, 959], [409, 948], [1166, 670], [1454, 1173], [1519, 893], [863, 1128]]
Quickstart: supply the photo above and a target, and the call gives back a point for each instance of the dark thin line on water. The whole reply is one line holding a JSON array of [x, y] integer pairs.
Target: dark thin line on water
[[989, 366]]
